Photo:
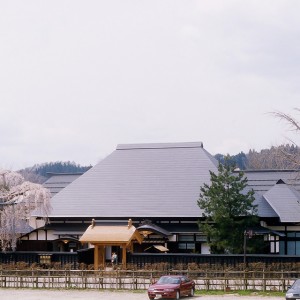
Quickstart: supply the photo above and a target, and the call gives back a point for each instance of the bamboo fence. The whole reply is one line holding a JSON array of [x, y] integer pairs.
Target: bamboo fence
[[140, 280]]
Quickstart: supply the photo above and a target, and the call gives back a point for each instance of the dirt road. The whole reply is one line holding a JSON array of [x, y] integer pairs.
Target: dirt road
[[27, 294]]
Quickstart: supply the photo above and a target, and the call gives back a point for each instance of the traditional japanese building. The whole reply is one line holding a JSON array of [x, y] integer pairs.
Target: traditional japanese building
[[157, 186]]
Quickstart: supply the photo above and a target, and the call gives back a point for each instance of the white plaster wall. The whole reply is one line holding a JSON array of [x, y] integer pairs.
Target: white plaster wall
[[36, 223], [42, 235], [205, 248]]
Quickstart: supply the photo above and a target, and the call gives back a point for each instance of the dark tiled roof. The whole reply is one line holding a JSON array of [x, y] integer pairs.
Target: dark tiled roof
[[265, 210], [59, 181], [276, 200], [262, 180], [148, 180], [161, 181], [285, 201]]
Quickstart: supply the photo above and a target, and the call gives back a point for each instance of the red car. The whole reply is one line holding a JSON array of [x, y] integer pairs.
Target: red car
[[171, 287]]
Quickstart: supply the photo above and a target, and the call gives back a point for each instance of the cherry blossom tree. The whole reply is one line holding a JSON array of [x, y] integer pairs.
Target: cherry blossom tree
[[19, 200]]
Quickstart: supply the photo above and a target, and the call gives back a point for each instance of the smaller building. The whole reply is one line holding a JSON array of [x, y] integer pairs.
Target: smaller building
[[105, 238]]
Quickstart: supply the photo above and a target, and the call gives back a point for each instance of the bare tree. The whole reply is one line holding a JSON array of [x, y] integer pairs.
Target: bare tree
[[274, 158], [291, 121], [19, 199], [294, 126], [32, 176]]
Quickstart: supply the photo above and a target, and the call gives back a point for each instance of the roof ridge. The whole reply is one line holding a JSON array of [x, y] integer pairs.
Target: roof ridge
[[160, 145]]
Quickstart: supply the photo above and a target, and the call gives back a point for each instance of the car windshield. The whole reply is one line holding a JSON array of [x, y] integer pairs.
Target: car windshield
[[168, 280], [296, 285]]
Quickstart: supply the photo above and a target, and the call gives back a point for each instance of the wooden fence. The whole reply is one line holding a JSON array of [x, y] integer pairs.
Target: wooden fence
[[226, 260], [64, 258], [143, 259], [140, 280]]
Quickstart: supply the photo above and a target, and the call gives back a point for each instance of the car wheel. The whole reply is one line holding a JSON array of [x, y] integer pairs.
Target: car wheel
[[151, 298], [192, 292], [177, 297]]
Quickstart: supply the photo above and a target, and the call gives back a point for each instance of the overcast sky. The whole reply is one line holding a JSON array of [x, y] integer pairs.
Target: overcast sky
[[79, 77]]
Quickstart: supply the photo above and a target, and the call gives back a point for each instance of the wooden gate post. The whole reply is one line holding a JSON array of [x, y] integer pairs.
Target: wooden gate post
[[124, 256]]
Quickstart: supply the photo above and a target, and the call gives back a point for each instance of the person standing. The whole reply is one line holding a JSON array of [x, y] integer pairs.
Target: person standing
[[114, 258]]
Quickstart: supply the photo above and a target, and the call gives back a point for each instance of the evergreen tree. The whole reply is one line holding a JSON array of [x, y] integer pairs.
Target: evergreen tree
[[239, 159], [228, 209]]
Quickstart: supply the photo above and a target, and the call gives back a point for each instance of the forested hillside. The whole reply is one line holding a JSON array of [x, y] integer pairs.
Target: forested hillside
[[38, 173], [282, 157]]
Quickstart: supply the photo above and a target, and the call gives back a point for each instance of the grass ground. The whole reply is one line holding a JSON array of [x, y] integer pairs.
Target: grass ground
[[241, 293]]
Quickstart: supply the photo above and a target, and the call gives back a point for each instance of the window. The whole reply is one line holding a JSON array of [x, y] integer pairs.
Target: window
[[186, 246], [201, 238], [186, 238], [292, 244], [274, 244]]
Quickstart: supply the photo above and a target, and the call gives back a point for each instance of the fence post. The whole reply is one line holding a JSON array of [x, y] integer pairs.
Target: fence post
[[207, 282], [118, 281], [245, 280], [134, 280], [226, 283], [264, 281], [282, 282]]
